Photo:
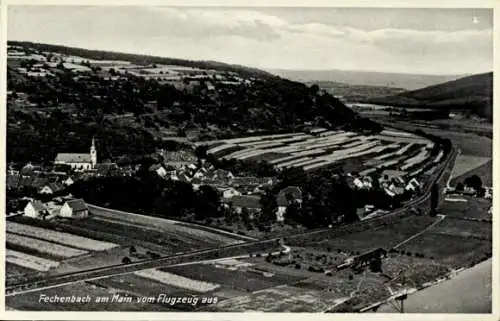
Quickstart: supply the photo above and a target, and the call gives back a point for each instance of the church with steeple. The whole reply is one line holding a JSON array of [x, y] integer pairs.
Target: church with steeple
[[82, 162]]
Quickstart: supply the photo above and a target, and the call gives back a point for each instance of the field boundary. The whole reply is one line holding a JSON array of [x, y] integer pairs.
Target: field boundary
[[174, 222]]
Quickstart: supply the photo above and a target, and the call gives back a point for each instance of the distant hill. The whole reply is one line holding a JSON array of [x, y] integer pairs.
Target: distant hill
[[366, 78], [137, 59], [59, 108], [355, 93], [472, 93]]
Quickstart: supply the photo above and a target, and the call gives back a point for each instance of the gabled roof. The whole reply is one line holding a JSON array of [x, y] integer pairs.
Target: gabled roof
[[294, 191], [246, 201], [55, 187], [77, 205], [155, 167], [38, 206], [39, 181], [73, 158]]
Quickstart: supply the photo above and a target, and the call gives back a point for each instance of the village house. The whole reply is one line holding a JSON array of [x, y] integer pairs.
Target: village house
[[36, 209], [239, 202], [106, 168], [412, 185], [286, 197], [68, 181], [51, 188], [158, 169], [78, 161], [74, 209], [230, 192]]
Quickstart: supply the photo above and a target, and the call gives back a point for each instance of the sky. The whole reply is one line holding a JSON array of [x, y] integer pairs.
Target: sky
[[417, 41]]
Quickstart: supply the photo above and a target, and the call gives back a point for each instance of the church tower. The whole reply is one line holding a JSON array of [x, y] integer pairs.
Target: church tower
[[93, 154]]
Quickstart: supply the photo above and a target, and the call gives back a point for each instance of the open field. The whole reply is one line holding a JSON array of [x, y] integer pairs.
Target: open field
[[133, 283], [325, 148], [14, 270], [279, 299], [165, 226], [177, 281], [30, 301], [485, 172], [43, 246], [454, 251], [464, 228], [58, 237], [476, 208], [468, 143], [29, 261], [241, 280], [467, 163], [384, 236]]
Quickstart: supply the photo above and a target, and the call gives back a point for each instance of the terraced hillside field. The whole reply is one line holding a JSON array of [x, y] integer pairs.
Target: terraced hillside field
[[396, 150]]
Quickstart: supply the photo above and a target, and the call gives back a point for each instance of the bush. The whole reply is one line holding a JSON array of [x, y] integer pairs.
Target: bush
[[328, 249], [298, 266], [351, 277], [317, 269], [408, 253], [258, 255], [339, 251]]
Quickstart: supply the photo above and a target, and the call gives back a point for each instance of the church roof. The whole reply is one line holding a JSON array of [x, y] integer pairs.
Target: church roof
[[73, 158]]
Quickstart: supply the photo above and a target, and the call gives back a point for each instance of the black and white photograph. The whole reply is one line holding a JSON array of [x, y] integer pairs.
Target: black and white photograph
[[164, 158]]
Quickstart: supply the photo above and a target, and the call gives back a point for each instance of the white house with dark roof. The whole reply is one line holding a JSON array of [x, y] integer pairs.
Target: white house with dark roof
[[74, 209], [78, 161], [36, 209]]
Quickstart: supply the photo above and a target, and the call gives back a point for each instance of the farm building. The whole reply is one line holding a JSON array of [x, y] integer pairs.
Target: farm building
[[36, 209], [74, 209]]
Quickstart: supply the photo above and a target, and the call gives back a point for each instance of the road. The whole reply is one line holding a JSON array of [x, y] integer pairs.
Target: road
[[469, 292]]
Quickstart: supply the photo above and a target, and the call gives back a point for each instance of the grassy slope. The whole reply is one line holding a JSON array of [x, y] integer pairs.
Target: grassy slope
[[473, 93]]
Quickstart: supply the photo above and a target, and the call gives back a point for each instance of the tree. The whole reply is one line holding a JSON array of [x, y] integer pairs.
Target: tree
[[376, 265], [245, 216], [293, 214], [480, 192], [269, 207], [208, 202], [126, 260], [474, 182], [132, 250], [459, 187]]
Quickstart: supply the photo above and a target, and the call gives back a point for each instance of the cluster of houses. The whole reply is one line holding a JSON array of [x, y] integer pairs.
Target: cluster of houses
[[65, 207], [393, 182], [237, 192], [51, 187]]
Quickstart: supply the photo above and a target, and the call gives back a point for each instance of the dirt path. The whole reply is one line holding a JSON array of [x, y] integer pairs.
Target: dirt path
[[440, 218]]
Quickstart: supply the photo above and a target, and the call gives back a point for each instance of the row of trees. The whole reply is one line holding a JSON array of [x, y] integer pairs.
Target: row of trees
[[151, 195]]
